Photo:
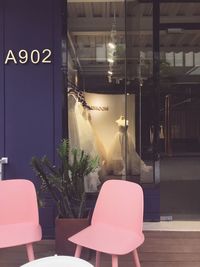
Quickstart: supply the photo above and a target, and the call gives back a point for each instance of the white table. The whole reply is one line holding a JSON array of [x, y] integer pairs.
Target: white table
[[58, 261]]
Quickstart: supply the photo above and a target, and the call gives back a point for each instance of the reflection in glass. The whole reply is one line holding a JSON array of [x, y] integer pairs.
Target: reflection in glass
[[178, 59], [170, 58], [108, 63], [189, 59], [197, 59]]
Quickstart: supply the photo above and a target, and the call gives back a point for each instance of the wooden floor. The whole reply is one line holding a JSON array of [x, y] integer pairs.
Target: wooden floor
[[160, 249]]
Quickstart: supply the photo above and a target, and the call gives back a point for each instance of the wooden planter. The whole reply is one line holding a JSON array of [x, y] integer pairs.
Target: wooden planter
[[65, 228]]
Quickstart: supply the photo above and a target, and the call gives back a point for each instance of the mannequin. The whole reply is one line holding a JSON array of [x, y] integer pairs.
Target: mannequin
[[119, 153]]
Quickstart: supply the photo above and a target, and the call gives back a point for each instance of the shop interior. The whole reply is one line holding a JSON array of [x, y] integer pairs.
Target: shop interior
[[138, 114], [110, 126]]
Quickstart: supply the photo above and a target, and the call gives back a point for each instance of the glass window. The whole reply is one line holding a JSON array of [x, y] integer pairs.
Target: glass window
[[100, 52], [140, 98], [189, 59], [105, 116], [179, 109], [178, 59], [197, 59], [170, 58]]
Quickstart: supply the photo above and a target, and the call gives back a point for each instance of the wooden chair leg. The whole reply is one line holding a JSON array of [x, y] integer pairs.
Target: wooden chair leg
[[114, 261], [98, 255], [136, 258], [30, 252]]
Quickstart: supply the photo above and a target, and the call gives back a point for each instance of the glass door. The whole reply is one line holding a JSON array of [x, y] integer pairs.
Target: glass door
[[111, 93], [180, 109]]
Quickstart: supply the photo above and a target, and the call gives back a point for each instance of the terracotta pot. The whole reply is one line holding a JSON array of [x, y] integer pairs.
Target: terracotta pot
[[64, 228]]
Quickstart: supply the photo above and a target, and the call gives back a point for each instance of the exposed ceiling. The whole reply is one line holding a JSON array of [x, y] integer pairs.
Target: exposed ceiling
[[90, 24]]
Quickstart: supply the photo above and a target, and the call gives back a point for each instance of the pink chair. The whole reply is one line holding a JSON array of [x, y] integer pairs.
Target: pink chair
[[19, 223], [117, 221]]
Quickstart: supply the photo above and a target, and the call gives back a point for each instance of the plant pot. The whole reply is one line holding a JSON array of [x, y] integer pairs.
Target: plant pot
[[64, 228]]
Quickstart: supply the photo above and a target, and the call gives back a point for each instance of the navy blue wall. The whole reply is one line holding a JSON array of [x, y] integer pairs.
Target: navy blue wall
[[33, 93], [1, 82], [152, 204]]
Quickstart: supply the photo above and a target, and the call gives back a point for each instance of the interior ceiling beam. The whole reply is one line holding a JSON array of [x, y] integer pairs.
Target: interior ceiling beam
[[107, 33], [135, 55], [105, 24], [140, 1], [95, 1], [194, 39], [182, 25], [170, 1], [136, 32], [135, 50]]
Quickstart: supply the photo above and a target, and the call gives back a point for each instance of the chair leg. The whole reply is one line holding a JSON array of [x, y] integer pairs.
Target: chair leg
[[136, 258], [114, 261], [30, 252], [98, 254], [78, 251]]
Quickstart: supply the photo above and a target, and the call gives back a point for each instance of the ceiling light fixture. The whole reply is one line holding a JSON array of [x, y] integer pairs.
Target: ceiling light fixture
[[110, 60], [111, 45], [111, 48]]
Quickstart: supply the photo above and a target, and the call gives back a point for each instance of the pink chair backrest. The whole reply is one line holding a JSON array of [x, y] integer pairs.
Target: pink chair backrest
[[120, 204], [18, 202]]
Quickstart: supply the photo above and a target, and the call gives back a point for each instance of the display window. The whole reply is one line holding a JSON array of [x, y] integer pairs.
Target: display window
[[103, 130], [109, 64]]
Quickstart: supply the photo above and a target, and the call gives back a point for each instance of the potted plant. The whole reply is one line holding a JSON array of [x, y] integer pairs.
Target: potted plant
[[65, 183]]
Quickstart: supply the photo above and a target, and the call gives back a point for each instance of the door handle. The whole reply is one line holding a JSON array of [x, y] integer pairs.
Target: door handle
[[3, 160]]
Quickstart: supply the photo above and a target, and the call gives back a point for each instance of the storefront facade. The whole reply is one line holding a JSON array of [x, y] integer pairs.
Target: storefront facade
[[134, 87]]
